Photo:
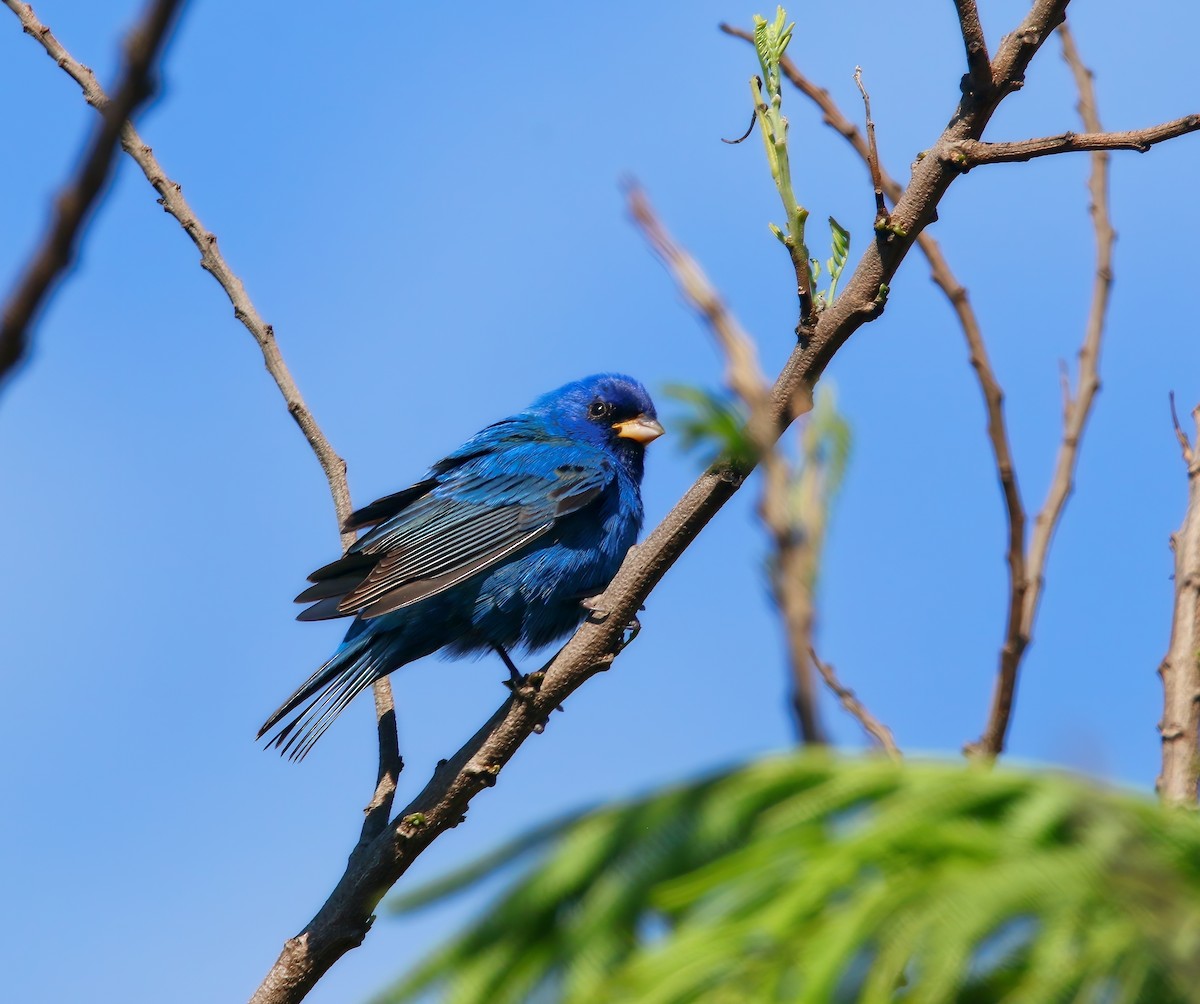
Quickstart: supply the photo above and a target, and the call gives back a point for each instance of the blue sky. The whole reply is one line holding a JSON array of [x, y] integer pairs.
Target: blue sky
[[426, 207]]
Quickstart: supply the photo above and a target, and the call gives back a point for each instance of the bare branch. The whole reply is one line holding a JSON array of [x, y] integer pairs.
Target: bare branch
[[1064, 383], [881, 213], [1180, 669], [974, 153], [172, 200], [211, 260], [979, 64], [378, 811], [747, 381], [73, 205], [791, 587], [1184, 445], [871, 725], [792, 576], [1077, 409], [743, 373]]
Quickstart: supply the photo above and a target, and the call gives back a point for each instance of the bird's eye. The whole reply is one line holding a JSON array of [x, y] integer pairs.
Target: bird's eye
[[599, 409]]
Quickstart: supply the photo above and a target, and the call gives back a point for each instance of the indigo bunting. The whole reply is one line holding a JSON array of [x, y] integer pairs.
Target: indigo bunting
[[496, 546]]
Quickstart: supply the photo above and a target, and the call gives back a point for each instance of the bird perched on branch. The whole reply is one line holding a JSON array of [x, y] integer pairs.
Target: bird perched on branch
[[496, 547]]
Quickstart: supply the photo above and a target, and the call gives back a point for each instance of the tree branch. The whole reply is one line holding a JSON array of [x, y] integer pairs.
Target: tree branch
[[211, 260], [72, 207], [979, 64], [973, 153], [871, 725], [1180, 669], [790, 576], [1077, 408], [742, 371], [881, 213]]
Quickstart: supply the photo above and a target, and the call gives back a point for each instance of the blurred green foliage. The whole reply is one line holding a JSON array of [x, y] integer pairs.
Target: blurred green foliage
[[713, 423], [812, 879]]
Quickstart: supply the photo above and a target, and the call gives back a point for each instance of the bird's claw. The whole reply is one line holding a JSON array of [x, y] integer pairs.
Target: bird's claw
[[599, 615], [521, 687], [632, 630], [596, 613], [533, 684]]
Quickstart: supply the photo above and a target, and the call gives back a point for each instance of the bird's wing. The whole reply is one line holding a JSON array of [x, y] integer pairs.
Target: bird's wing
[[476, 511]]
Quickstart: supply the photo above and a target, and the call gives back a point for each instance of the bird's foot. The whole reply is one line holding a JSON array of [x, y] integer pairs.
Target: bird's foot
[[596, 613], [599, 614], [632, 630], [522, 686], [533, 685]]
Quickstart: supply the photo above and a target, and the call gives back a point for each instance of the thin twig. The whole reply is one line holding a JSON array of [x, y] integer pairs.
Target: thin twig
[[1064, 383], [791, 587], [72, 207], [1180, 668], [743, 373], [970, 153], [871, 725], [1078, 408], [390, 763], [1184, 444], [979, 64], [745, 377], [792, 576], [211, 260], [881, 213]]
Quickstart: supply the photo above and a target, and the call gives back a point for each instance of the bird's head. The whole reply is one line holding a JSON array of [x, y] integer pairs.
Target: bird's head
[[608, 410]]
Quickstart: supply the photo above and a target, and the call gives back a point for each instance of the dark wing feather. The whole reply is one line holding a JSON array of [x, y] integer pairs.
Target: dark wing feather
[[323, 610], [336, 585], [388, 506], [409, 591], [466, 523]]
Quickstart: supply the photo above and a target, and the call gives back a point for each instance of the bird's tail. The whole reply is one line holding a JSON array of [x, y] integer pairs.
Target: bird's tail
[[323, 696]]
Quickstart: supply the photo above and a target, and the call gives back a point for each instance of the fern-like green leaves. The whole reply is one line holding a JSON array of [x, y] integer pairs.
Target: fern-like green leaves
[[814, 880]]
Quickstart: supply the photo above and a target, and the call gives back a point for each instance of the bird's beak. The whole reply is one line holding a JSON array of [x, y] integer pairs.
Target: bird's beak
[[641, 429]]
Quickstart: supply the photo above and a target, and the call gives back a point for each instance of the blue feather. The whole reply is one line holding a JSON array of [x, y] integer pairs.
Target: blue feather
[[495, 547]]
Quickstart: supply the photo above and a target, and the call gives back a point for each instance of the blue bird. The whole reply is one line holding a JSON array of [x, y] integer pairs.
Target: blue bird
[[496, 547]]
